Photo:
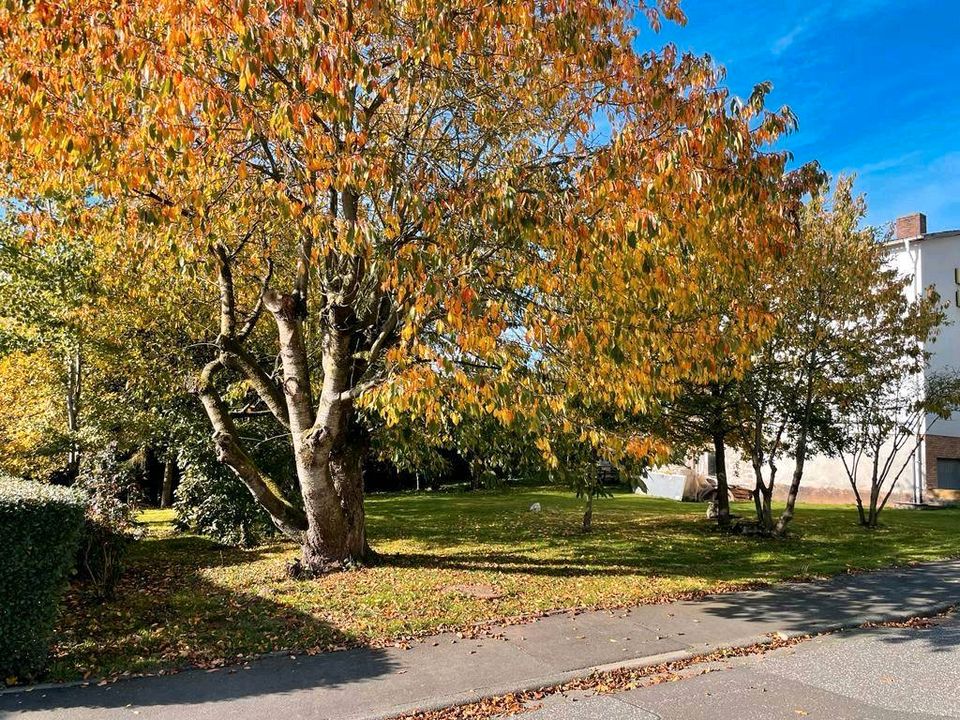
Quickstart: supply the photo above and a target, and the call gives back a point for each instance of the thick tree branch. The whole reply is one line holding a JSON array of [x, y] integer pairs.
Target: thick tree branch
[[293, 358], [236, 357], [257, 311], [285, 516], [228, 303]]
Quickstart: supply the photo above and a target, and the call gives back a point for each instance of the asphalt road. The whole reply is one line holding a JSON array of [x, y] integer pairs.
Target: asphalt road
[[878, 674]]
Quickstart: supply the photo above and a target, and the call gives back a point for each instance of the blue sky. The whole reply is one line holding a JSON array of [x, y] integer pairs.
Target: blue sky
[[875, 85]]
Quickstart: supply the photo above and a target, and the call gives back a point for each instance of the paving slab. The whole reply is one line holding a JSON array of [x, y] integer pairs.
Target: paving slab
[[904, 673], [368, 684], [570, 642], [904, 670]]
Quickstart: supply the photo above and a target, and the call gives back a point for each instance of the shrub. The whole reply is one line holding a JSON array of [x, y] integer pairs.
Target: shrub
[[109, 485], [100, 557], [39, 531], [211, 501]]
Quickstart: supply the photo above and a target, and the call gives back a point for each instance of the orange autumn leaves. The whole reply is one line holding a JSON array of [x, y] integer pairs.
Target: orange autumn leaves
[[448, 162]]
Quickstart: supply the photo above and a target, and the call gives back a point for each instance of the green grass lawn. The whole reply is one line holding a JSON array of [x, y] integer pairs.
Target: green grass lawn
[[185, 600]]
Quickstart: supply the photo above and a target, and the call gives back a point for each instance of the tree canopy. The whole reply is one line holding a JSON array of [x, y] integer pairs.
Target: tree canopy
[[452, 211]]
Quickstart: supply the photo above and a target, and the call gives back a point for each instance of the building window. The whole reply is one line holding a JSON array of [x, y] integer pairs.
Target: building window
[[948, 474], [711, 464]]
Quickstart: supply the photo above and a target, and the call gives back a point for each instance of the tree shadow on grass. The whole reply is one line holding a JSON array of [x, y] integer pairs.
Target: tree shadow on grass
[[168, 614], [654, 538], [671, 547]]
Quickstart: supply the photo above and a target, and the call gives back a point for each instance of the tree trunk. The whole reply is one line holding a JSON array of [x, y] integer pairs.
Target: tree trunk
[[588, 514], [74, 370], [763, 497], [766, 520], [336, 536], [329, 446], [874, 502], [787, 516], [723, 492], [330, 449], [166, 492]]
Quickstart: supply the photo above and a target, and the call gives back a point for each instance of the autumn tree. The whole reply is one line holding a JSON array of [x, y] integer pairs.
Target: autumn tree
[[420, 200], [837, 302], [47, 291], [892, 399]]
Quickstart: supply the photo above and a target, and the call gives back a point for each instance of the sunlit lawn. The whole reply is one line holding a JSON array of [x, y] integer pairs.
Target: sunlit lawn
[[185, 600]]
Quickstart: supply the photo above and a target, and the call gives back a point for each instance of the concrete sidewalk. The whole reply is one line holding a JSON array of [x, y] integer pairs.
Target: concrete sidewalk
[[887, 673], [443, 670]]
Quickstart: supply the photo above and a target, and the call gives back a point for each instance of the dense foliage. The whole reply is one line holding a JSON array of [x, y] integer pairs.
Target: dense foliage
[[107, 481], [419, 201], [40, 527], [210, 501]]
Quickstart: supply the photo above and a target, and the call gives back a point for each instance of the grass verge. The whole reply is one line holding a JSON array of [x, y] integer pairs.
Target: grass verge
[[448, 561]]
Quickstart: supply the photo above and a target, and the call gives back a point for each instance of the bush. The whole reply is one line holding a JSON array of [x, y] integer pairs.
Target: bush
[[211, 501], [39, 531], [109, 485], [100, 557]]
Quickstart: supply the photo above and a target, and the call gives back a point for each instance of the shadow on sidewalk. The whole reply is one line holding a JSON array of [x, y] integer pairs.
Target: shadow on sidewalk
[[269, 676], [168, 612], [848, 600]]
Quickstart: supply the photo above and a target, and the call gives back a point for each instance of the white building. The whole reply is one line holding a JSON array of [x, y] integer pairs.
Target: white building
[[931, 259]]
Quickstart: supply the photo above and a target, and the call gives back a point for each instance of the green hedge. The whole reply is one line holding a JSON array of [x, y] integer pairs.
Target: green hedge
[[39, 532]]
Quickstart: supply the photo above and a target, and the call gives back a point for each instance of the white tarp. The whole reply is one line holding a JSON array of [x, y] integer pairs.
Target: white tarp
[[664, 485]]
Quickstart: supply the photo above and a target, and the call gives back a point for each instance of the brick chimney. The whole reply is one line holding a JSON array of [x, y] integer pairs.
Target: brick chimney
[[910, 226]]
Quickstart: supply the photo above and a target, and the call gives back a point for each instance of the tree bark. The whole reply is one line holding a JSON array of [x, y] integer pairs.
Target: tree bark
[[329, 445], [787, 515], [74, 370], [336, 536], [763, 496], [166, 492], [289, 519], [874, 502], [801, 455], [723, 491], [587, 524]]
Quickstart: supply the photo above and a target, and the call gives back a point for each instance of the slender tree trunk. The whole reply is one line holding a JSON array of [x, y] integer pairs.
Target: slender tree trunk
[[723, 491], [588, 514], [852, 476], [787, 515], [758, 502], [874, 503], [767, 519], [166, 492], [74, 370], [861, 512], [763, 497], [801, 455]]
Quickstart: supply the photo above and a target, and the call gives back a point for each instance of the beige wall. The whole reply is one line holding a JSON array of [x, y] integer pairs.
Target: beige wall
[[824, 477]]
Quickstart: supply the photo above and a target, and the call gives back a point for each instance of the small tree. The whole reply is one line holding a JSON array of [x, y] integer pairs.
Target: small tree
[[762, 428], [826, 294], [885, 428], [705, 415]]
